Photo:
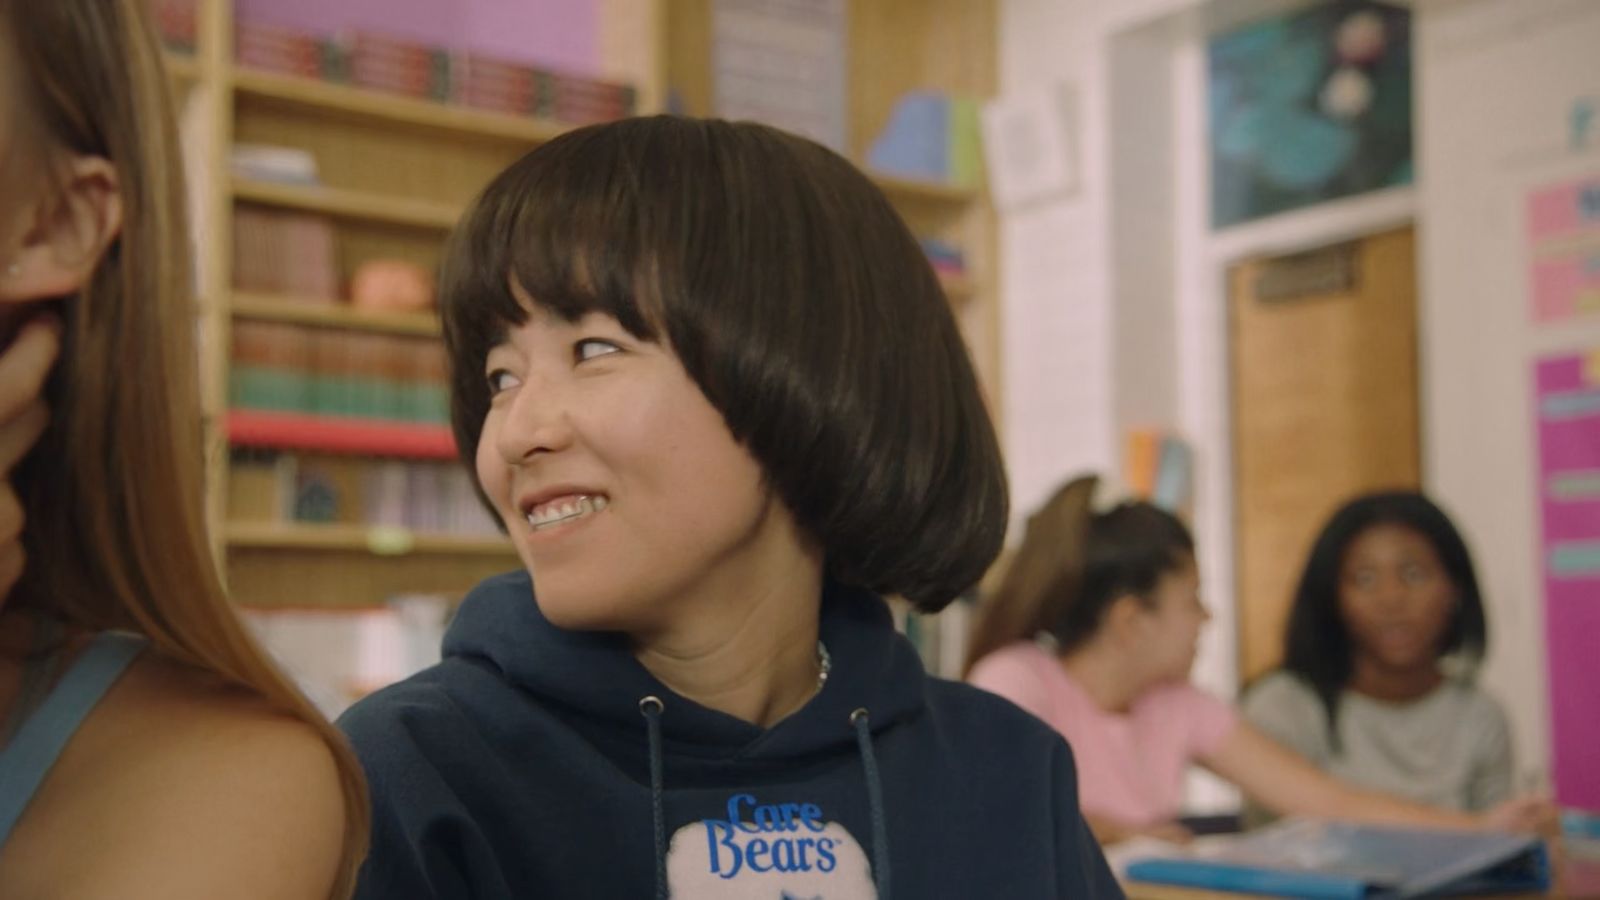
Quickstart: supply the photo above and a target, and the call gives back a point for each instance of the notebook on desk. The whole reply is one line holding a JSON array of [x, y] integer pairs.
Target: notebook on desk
[[1339, 861]]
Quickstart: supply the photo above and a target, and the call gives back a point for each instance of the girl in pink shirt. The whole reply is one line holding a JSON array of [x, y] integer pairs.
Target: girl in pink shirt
[[1094, 629]]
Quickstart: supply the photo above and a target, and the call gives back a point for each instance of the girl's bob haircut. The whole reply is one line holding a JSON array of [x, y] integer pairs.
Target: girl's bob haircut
[[796, 299]]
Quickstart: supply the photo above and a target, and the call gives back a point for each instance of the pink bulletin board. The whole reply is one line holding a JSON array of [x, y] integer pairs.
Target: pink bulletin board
[[1568, 409]]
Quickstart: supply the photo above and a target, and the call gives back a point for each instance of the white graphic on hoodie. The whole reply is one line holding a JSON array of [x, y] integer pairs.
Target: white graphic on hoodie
[[781, 851]]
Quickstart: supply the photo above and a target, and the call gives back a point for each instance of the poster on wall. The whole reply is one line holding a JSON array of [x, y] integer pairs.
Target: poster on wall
[[1309, 107], [1568, 409], [1563, 222]]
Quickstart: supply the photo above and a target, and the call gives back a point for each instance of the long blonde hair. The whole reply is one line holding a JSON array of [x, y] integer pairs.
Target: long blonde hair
[[114, 491]]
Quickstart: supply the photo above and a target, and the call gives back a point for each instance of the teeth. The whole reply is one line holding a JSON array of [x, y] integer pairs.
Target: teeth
[[560, 513]]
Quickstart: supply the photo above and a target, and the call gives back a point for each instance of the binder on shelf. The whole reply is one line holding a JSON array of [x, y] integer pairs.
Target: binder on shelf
[[1341, 861]]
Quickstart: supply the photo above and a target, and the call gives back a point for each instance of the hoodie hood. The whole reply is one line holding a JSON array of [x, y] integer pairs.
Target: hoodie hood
[[873, 668]]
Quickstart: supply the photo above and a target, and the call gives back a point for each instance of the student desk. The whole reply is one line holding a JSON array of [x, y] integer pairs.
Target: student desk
[[1141, 891], [1577, 878]]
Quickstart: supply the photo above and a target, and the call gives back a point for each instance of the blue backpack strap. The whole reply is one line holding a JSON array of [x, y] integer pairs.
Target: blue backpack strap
[[28, 758]]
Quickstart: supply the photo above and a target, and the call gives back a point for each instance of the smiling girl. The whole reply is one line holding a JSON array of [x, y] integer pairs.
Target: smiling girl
[[713, 391]]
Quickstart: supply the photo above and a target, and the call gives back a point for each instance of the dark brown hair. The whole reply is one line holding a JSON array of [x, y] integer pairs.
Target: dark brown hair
[[116, 534], [795, 298], [1317, 646], [1074, 564]]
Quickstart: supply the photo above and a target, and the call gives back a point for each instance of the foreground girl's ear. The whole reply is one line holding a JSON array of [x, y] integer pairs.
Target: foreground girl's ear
[[69, 230]]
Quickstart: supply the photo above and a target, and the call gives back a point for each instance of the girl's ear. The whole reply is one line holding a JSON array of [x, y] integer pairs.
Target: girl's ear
[[1124, 616], [69, 231]]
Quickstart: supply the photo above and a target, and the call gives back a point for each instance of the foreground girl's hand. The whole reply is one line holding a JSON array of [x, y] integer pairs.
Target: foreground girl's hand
[[23, 417]]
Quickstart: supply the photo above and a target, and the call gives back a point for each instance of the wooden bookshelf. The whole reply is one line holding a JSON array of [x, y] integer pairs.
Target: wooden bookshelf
[[296, 311], [445, 119], [397, 172], [377, 541], [350, 205]]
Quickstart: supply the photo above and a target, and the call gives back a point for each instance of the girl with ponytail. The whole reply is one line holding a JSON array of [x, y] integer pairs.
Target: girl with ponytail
[[1094, 629]]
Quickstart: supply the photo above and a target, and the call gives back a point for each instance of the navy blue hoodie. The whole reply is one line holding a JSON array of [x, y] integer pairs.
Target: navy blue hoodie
[[528, 764]]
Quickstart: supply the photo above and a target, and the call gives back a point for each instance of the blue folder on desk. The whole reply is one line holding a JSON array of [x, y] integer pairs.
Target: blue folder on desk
[[1339, 861]]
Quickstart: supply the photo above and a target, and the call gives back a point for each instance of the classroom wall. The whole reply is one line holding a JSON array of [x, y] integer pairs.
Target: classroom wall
[[1497, 83], [1113, 301]]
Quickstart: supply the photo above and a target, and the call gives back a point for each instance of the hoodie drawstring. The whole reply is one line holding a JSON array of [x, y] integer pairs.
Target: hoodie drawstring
[[880, 829], [650, 708]]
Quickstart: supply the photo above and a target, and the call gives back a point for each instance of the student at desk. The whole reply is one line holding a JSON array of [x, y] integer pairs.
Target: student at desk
[[1094, 629], [1387, 594]]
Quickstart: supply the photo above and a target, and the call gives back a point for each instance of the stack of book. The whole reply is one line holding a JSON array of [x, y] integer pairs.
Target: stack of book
[[931, 137], [177, 21], [433, 498], [941, 640], [407, 68], [289, 368], [286, 253], [289, 52], [399, 67], [947, 259]]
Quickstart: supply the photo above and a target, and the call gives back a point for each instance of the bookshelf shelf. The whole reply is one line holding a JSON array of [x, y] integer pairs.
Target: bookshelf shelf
[[182, 67], [325, 434], [426, 115], [292, 310], [378, 541], [911, 190], [350, 205]]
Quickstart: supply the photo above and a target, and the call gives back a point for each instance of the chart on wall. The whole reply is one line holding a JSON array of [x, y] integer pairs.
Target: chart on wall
[[1568, 405], [1563, 220]]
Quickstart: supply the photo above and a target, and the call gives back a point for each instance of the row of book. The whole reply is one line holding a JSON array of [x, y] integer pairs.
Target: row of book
[[941, 640], [178, 23], [383, 63], [287, 253], [947, 259], [291, 368], [431, 498]]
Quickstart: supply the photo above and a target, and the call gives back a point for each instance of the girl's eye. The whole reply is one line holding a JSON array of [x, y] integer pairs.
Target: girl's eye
[[500, 380], [1363, 579], [591, 348], [1414, 574]]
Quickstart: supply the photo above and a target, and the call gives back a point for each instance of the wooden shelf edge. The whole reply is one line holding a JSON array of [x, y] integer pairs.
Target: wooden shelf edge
[[376, 541], [182, 67], [293, 310], [428, 115], [912, 189], [347, 204]]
